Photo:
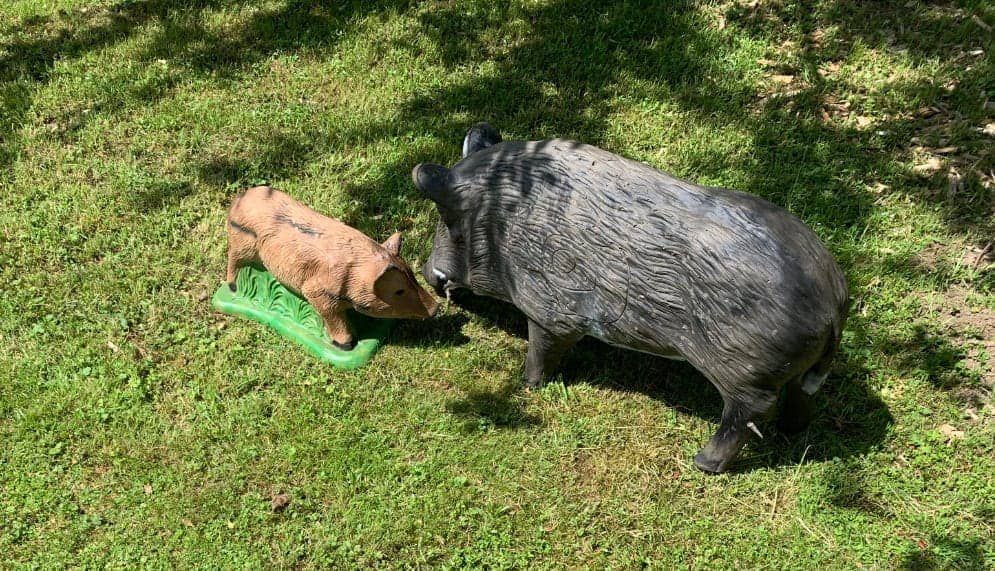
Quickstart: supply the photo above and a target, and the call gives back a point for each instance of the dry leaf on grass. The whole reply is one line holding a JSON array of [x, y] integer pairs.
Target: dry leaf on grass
[[280, 502], [950, 432], [932, 165], [829, 68]]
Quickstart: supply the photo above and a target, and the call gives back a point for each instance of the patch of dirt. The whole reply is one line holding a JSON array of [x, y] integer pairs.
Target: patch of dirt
[[931, 256], [935, 255], [974, 325], [979, 257]]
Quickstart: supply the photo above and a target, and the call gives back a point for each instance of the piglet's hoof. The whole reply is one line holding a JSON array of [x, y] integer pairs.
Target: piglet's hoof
[[347, 346]]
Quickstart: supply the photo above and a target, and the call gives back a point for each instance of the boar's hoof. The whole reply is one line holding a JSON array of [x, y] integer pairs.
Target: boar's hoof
[[531, 383], [708, 464], [347, 346]]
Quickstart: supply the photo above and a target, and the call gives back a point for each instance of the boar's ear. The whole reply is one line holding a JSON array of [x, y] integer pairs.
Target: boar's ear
[[393, 244], [480, 136], [433, 182]]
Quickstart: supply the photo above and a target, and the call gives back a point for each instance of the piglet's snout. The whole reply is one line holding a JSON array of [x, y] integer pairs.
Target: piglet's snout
[[430, 305]]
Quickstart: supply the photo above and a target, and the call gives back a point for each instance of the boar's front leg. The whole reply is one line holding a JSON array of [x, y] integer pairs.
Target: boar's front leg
[[545, 351], [332, 309]]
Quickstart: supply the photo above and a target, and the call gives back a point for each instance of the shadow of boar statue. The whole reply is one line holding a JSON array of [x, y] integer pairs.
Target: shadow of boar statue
[[588, 243], [332, 265]]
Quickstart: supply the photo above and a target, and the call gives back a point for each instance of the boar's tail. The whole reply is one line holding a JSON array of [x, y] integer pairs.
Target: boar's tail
[[816, 376]]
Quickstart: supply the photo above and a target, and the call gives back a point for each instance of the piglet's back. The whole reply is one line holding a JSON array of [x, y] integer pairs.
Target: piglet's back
[[277, 219]]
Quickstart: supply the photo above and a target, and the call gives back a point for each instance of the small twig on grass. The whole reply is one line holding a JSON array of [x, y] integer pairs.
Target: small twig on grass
[[828, 540], [981, 255], [984, 25]]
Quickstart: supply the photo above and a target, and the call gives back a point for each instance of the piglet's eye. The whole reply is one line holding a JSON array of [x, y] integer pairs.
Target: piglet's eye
[[399, 292]]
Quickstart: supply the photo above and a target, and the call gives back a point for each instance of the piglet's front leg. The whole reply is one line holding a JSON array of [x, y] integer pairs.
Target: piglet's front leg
[[332, 309]]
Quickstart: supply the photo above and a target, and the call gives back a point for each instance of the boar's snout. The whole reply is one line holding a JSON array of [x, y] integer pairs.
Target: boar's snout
[[432, 278]]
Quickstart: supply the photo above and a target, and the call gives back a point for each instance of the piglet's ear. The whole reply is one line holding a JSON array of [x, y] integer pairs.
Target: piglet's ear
[[391, 283], [393, 244]]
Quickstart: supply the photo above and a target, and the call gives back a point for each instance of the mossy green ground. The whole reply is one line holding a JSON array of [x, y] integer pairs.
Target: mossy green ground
[[138, 427]]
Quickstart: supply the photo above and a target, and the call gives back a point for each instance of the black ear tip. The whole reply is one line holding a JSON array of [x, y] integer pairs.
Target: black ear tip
[[487, 131], [480, 136]]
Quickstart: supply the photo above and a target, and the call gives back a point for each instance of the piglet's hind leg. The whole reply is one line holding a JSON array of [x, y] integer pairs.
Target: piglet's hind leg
[[241, 251]]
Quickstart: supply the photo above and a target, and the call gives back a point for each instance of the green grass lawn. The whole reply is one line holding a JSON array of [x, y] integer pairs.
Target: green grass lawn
[[138, 427]]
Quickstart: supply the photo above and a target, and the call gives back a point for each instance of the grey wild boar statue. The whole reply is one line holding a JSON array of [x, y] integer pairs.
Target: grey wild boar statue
[[588, 243], [333, 266]]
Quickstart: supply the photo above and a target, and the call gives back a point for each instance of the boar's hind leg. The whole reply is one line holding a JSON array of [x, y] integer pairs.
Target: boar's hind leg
[[734, 430], [544, 353], [796, 408]]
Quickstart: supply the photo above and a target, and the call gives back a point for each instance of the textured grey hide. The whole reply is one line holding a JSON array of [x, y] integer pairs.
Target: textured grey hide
[[585, 242]]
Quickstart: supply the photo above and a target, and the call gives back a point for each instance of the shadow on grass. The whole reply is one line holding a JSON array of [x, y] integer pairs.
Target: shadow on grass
[[501, 408], [441, 331], [945, 553], [850, 418], [579, 54], [179, 37], [558, 78], [161, 194], [286, 154]]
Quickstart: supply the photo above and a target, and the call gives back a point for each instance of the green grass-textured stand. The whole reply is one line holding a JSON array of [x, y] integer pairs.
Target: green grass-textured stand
[[261, 298]]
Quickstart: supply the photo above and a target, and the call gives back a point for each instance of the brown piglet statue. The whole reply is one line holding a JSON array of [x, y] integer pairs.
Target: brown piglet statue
[[334, 266]]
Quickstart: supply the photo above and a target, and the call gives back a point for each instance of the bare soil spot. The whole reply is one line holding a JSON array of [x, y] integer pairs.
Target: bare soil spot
[[974, 327]]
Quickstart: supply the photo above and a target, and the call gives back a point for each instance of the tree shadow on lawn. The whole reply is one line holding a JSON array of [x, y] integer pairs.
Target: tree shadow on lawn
[[181, 39], [944, 552], [558, 79], [579, 54], [929, 33]]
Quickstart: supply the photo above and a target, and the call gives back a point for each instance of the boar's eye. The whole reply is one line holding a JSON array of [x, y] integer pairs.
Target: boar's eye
[[399, 292]]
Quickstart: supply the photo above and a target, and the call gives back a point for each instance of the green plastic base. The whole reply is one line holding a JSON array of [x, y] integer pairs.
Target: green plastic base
[[261, 298]]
